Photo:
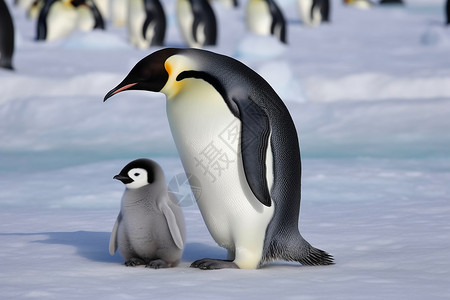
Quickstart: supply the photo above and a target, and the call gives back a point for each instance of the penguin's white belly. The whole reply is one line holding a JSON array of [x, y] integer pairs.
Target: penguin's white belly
[[119, 12], [86, 21], [136, 19], [207, 136], [259, 19], [61, 21]]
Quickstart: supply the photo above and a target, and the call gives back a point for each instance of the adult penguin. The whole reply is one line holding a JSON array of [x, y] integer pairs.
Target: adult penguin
[[57, 19], [264, 17], [447, 7], [89, 16], [229, 3], [391, 1], [197, 23], [6, 37], [314, 12], [146, 23], [362, 4], [236, 137]]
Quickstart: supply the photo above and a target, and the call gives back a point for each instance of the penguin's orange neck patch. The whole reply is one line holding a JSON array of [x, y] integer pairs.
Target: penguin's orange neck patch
[[173, 86]]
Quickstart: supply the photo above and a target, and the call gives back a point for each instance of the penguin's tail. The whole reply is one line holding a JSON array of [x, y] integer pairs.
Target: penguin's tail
[[295, 248], [315, 257]]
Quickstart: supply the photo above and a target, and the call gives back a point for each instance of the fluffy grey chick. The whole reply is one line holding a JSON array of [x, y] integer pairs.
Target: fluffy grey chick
[[150, 227]]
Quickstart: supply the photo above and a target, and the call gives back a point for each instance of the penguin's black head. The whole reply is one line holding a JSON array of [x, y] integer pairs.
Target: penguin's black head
[[137, 173], [148, 74]]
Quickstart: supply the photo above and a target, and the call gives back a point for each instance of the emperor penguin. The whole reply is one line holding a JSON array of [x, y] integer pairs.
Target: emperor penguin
[[197, 23], [314, 12], [236, 137], [57, 19], [229, 3], [103, 7], [6, 37], [362, 4], [264, 17], [146, 23], [397, 2], [150, 228], [35, 9], [447, 8], [89, 16], [23, 4]]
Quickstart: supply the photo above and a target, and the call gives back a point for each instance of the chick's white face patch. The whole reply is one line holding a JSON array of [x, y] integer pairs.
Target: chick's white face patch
[[139, 176]]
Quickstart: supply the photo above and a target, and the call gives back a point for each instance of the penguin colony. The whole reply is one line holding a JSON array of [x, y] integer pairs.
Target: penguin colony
[[146, 19]]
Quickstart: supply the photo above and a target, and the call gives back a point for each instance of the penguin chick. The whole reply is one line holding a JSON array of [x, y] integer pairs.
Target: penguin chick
[[150, 227]]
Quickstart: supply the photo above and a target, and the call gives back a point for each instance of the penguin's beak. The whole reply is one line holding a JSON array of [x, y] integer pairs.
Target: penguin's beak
[[119, 89], [124, 179]]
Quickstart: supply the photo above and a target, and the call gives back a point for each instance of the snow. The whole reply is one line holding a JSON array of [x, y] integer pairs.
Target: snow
[[370, 97]]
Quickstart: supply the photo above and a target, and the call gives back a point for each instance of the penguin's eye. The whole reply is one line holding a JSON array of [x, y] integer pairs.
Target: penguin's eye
[[137, 174]]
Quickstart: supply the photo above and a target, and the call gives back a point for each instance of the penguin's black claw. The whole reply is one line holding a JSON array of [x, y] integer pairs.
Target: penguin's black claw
[[213, 264]]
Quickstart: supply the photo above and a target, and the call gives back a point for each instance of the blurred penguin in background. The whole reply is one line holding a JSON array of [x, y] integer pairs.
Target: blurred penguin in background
[[314, 12], [391, 1], [363, 4], [57, 19], [229, 3], [197, 23], [119, 12], [103, 7], [35, 9], [23, 4], [447, 9], [60, 18], [89, 16], [264, 17], [6, 37], [146, 23]]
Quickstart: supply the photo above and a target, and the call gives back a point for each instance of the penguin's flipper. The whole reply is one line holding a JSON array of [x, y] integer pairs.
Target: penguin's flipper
[[173, 226], [99, 21], [255, 132], [196, 27], [113, 238]]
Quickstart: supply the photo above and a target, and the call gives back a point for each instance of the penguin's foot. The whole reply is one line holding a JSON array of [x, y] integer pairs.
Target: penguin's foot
[[133, 262], [157, 264], [213, 264]]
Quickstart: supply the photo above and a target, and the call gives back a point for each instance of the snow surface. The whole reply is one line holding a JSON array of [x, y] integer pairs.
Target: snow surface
[[369, 93]]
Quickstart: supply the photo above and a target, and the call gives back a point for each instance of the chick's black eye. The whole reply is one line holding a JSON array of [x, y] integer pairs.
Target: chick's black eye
[[137, 174]]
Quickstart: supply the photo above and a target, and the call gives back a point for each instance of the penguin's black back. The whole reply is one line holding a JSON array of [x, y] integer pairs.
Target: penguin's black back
[[6, 37]]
